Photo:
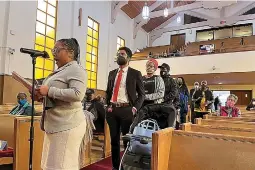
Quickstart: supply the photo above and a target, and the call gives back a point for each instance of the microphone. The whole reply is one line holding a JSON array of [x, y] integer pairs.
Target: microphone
[[35, 53]]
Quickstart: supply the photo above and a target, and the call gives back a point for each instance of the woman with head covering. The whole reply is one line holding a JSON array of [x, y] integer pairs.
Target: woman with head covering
[[63, 119], [153, 84], [251, 105], [230, 110]]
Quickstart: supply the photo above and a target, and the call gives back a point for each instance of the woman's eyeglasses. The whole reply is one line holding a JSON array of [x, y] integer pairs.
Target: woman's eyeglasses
[[56, 50]]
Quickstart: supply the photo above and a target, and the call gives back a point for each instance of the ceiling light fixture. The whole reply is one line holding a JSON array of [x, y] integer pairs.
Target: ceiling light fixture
[[145, 12], [219, 83], [166, 12], [178, 19]]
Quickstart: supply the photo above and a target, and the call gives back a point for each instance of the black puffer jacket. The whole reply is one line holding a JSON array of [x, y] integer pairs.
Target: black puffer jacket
[[164, 114], [171, 92]]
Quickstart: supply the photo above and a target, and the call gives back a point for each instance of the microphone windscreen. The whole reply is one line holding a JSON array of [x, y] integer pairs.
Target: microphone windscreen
[[46, 55]]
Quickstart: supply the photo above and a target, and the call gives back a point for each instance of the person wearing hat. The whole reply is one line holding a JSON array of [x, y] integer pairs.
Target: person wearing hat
[[230, 110], [124, 97], [153, 84], [171, 90]]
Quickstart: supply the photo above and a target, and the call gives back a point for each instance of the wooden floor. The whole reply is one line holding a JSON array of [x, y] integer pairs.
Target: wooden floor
[[97, 149]]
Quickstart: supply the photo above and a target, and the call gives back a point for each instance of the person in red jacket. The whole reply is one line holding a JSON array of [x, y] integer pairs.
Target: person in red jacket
[[229, 109]]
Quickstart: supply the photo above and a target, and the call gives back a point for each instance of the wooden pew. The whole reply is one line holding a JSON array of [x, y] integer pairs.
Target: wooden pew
[[107, 140], [15, 130], [22, 144], [218, 130], [245, 119], [225, 123], [201, 151]]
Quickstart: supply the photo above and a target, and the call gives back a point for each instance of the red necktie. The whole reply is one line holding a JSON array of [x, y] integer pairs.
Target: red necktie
[[117, 87]]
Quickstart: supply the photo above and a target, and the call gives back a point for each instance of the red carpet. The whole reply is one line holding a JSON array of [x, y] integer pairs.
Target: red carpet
[[104, 164]]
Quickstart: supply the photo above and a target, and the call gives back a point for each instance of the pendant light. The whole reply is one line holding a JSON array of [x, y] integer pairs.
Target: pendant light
[[166, 11], [145, 12]]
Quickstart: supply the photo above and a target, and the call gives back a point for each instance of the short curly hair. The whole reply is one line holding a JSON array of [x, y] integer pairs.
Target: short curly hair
[[234, 97]]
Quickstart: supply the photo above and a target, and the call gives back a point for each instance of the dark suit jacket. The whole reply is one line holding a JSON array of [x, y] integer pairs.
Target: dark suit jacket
[[134, 87]]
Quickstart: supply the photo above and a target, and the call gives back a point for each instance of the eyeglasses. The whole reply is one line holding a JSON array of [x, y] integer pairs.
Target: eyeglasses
[[56, 50]]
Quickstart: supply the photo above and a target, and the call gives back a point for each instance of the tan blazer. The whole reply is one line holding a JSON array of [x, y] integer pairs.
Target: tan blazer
[[67, 87]]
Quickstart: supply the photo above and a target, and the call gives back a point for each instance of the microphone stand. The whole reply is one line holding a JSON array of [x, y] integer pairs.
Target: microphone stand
[[31, 138]]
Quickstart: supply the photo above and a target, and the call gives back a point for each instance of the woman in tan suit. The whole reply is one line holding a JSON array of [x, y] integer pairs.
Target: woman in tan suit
[[63, 119]]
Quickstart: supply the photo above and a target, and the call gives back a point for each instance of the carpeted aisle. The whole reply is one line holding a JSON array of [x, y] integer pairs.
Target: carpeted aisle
[[104, 164]]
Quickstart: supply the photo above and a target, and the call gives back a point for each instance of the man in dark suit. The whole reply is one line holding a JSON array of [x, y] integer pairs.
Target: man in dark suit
[[124, 96]]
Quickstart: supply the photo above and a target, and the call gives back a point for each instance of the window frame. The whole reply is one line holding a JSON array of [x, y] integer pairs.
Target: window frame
[[44, 68], [90, 80], [119, 37]]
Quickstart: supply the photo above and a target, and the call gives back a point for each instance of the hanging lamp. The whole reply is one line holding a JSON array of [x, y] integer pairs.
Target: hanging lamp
[[145, 12], [166, 11]]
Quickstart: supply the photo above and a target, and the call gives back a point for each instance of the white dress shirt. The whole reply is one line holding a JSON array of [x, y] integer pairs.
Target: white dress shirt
[[122, 94]]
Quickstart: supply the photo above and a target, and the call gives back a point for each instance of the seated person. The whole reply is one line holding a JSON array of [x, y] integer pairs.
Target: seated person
[[251, 105], [96, 107], [230, 110], [23, 107], [153, 84], [164, 114]]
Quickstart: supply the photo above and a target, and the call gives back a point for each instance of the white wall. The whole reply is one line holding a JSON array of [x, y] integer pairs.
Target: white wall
[[123, 27], [165, 38], [203, 64], [22, 20], [22, 17], [141, 40], [3, 10]]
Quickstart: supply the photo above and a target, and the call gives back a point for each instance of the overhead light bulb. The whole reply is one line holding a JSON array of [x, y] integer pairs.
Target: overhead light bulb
[[166, 12], [145, 12], [179, 20]]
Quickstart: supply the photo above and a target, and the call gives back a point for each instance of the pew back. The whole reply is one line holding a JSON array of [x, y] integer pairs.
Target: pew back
[[225, 123], [201, 151], [245, 119], [7, 129], [218, 130], [22, 135]]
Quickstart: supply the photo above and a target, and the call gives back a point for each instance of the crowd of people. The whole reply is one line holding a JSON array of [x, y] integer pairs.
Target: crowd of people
[[130, 98]]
